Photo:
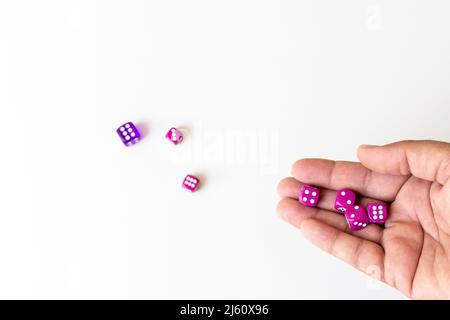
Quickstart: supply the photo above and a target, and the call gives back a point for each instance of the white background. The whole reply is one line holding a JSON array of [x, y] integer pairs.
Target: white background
[[257, 83]]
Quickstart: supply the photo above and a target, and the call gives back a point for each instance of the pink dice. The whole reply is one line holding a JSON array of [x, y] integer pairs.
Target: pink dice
[[356, 217], [378, 212], [345, 198], [174, 135], [309, 196], [191, 183]]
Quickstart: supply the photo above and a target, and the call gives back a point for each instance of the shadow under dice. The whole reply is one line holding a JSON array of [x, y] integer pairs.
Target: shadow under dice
[[129, 134], [356, 217], [378, 212], [309, 196], [345, 198]]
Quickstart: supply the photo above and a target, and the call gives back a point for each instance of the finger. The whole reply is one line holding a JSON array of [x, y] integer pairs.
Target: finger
[[294, 213], [428, 160], [290, 188], [337, 175], [362, 254], [405, 244]]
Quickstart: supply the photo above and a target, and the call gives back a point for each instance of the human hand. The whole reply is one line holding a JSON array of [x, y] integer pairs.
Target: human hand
[[412, 249]]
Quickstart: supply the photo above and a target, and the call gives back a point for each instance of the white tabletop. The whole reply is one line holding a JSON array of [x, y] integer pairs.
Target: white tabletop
[[258, 84]]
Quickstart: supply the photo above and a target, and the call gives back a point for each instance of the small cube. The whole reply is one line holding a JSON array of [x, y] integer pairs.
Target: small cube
[[309, 196], [378, 212], [174, 135], [129, 134], [356, 218], [345, 198], [191, 183]]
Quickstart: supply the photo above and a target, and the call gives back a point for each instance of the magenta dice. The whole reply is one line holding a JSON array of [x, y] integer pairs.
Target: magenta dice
[[345, 198], [377, 212], [356, 217], [129, 134], [191, 183], [174, 135], [309, 196]]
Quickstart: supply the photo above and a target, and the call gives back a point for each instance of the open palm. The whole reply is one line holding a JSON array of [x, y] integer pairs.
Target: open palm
[[411, 252]]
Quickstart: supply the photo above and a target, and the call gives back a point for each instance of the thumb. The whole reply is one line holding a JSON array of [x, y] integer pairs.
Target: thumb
[[428, 160]]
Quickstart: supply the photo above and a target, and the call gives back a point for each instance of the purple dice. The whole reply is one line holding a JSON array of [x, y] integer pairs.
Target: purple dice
[[356, 217], [191, 183], [309, 196], [174, 135], [378, 212], [345, 198], [129, 134]]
